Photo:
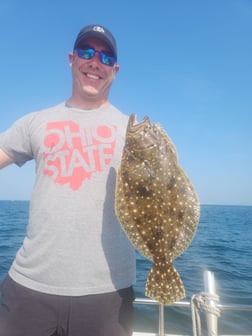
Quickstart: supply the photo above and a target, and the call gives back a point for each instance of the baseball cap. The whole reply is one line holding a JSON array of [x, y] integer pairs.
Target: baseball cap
[[99, 32]]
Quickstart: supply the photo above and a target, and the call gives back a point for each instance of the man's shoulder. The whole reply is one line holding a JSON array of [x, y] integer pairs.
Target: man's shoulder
[[114, 111], [43, 113], [48, 110]]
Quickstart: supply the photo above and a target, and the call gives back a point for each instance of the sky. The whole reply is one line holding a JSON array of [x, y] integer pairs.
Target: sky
[[187, 64]]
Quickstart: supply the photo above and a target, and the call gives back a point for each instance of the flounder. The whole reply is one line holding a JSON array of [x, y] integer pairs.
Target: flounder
[[156, 205]]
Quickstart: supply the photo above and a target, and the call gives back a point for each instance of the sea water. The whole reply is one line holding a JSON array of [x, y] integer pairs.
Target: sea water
[[222, 244]]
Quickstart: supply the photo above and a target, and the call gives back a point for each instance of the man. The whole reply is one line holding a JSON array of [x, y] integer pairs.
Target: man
[[73, 275]]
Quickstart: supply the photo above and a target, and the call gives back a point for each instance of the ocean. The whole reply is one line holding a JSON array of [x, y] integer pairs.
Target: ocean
[[222, 244]]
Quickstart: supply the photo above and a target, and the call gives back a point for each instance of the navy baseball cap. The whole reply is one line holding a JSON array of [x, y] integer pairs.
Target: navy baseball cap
[[99, 32]]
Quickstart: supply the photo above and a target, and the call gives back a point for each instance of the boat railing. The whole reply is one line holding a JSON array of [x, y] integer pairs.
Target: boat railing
[[206, 302]]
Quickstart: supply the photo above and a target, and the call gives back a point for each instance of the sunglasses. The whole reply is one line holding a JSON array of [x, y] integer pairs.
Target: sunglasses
[[104, 56]]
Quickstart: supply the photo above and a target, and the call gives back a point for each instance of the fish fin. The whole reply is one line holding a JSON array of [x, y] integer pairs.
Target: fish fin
[[164, 284]]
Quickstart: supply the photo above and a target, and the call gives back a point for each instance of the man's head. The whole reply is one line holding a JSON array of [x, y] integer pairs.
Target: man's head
[[94, 66]]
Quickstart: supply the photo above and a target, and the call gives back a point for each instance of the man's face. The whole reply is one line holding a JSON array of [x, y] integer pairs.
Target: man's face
[[91, 78]]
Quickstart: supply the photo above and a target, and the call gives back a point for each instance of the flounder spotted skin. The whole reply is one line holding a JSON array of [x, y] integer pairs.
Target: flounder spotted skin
[[156, 205]]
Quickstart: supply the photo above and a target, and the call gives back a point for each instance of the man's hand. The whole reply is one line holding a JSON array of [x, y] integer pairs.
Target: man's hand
[[5, 160]]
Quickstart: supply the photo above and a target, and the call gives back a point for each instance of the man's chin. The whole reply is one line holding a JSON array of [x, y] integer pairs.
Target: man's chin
[[90, 90]]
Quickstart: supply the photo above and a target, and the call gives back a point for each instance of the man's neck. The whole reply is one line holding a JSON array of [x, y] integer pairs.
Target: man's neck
[[85, 105]]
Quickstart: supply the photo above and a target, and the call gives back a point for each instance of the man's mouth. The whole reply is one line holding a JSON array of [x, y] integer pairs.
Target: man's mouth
[[92, 76]]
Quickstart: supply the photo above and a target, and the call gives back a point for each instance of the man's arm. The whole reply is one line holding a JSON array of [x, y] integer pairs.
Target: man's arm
[[5, 160]]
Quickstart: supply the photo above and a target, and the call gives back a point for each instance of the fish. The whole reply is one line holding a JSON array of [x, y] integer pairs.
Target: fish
[[156, 205]]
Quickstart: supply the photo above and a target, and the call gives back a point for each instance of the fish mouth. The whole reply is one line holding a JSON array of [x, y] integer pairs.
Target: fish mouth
[[134, 126]]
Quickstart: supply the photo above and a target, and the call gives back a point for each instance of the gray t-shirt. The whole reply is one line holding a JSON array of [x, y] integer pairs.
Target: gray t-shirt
[[74, 244]]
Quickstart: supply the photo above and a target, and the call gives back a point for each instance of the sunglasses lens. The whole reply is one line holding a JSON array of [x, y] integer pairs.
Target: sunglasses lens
[[86, 53], [107, 59]]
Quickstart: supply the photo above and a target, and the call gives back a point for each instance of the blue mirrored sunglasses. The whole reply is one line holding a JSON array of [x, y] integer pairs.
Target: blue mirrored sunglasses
[[104, 56]]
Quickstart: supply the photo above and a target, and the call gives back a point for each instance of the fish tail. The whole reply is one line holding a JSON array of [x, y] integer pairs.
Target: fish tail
[[164, 284]]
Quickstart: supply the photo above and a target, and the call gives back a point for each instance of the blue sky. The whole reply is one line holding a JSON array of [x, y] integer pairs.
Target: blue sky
[[186, 64]]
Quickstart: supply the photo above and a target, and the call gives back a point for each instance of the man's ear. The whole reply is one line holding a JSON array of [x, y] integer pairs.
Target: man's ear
[[116, 68], [71, 58]]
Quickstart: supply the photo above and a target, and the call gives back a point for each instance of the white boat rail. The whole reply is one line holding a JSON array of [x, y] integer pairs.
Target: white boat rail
[[206, 302]]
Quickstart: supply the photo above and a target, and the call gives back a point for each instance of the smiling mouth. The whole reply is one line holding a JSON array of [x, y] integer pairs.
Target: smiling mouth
[[92, 76]]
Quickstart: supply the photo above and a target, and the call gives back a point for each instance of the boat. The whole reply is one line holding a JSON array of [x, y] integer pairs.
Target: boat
[[206, 302]]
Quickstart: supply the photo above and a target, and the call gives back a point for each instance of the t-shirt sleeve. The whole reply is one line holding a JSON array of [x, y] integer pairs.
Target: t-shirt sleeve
[[16, 141]]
